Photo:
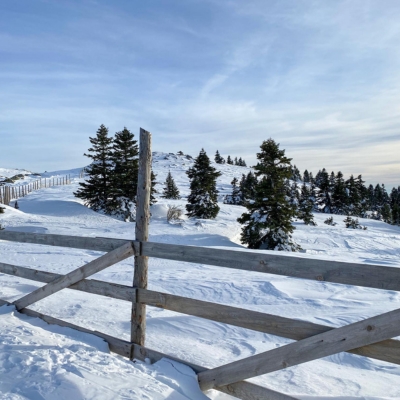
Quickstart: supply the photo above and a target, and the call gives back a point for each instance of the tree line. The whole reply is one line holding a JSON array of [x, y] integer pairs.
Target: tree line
[[274, 194]]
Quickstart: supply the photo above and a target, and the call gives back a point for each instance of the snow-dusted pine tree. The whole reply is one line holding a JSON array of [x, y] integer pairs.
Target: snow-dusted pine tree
[[170, 189], [306, 206], [202, 201], [267, 224], [236, 197], [97, 190]]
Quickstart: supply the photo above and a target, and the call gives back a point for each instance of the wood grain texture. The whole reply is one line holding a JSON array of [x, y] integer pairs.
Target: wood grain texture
[[387, 350], [373, 276], [140, 278], [362, 333], [93, 286], [77, 275], [365, 275], [76, 242]]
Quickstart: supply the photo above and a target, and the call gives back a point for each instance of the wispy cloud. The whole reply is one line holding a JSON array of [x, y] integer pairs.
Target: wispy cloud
[[322, 78]]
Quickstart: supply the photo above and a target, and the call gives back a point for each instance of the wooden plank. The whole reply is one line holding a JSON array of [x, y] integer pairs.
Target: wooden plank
[[373, 276], [387, 350], [256, 321], [77, 275], [76, 242], [138, 316], [362, 333], [113, 290]]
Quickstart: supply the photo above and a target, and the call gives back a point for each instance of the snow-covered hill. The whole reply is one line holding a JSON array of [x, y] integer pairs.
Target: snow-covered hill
[[56, 210]]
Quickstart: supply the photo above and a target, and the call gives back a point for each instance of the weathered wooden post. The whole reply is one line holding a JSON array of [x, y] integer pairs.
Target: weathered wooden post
[[138, 318]]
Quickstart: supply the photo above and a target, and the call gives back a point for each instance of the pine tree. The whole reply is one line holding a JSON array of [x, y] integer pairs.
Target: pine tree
[[339, 195], [124, 181], [236, 197], [306, 177], [306, 206], [218, 159], [323, 200], [247, 186], [229, 160], [267, 224], [203, 202], [235, 162], [97, 190], [170, 190]]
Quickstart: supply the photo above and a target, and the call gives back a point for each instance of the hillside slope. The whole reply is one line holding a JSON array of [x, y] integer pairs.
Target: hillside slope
[[56, 210]]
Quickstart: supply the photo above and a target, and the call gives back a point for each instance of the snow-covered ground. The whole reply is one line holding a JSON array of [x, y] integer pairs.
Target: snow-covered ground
[[56, 210]]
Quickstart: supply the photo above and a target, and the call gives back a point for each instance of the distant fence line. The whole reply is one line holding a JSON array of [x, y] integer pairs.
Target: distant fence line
[[15, 192]]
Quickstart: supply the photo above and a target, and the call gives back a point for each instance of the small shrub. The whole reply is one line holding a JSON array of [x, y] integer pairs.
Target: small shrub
[[330, 221], [174, 213], [352, 223]]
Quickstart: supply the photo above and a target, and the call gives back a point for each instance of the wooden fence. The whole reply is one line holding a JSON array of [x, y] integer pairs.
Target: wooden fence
[[371, 337], [15, 192]]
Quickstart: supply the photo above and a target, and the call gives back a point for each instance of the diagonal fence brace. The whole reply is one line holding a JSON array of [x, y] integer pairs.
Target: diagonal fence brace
[[103, 262], [349, 337]]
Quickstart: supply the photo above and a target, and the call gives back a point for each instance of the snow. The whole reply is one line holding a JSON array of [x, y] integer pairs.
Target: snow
[[38, 361], [56, 210]]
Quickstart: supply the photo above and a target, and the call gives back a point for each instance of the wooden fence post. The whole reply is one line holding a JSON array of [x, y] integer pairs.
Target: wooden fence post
[[138, 317]]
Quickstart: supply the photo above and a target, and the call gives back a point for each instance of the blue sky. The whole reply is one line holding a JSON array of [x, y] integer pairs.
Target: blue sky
[[322, 78]]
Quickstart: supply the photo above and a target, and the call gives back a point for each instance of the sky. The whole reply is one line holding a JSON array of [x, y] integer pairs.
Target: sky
[[322, 78]]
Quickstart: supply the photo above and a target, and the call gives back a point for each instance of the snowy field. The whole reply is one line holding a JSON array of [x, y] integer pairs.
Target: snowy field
[[42, 362]]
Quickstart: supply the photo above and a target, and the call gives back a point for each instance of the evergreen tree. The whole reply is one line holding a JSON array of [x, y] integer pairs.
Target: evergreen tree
[[339, 195], [395, 205], [170, 190], [236, 197], [296, 176], [386, 213], [324, 201], [240, 162], [267, 224], [247, 186], [229, 160], [203, 201], [306, 177], [236, 161], [218, 159], [97, 190], [126, 167], [306, 206]]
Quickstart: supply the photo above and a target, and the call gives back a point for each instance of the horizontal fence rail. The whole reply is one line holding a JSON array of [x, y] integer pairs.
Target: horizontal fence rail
[[388, 350], [370, 337], [365, 275]]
